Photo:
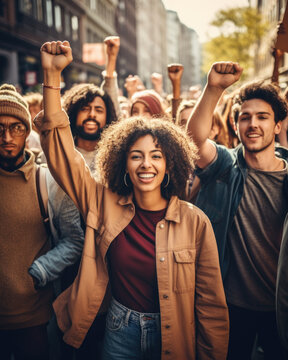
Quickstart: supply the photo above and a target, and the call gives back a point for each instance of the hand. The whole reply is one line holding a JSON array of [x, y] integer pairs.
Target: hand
[[133, 84], [157, 80], [223, 74], [175, 72], [112, 45], [55, 56]]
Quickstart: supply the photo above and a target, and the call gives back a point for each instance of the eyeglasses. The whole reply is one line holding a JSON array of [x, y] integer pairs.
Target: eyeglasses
[[14, 129]]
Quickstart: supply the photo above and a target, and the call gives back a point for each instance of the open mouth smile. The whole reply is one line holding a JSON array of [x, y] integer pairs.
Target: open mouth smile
[[146, 177]]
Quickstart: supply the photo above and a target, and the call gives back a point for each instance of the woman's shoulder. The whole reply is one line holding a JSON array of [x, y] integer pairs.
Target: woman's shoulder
[[190, 210]]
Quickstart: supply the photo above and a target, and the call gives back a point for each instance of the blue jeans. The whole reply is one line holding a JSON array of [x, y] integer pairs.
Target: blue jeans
[[131, 335]]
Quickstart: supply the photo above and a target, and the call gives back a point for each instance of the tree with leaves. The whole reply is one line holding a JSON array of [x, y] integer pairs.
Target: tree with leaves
[[239, 28]]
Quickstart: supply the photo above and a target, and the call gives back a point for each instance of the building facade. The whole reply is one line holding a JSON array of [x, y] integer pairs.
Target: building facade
[[26, 24], [126, 28], [151, 40], [272, 11], [190, 57]]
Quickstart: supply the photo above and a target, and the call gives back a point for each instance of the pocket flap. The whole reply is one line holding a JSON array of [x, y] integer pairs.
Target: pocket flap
[[185, 256]]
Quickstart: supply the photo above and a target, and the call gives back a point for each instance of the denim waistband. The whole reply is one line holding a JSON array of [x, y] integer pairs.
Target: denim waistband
[[134, 316]]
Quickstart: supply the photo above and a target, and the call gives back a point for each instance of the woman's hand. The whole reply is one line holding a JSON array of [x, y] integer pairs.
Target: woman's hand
[[55, 56]]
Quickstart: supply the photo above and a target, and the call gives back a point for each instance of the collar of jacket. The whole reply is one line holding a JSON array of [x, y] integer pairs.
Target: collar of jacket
[[280, 152], [26, 170], [173, 210]]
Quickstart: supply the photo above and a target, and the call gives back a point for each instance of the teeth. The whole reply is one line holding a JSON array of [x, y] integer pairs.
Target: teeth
[[252, 135], [146, 176]]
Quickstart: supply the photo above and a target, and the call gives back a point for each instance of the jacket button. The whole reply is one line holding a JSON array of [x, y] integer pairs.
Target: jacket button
[[167, 326], [161, 226], [162, 259], [165, 296], [167, 352]]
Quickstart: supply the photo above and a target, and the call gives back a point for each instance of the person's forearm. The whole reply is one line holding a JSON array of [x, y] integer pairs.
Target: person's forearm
[[200, 121], [176, 89], [111, 66], [51, 96]]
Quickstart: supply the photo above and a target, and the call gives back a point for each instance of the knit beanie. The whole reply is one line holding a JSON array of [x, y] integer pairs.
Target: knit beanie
[[151, 100], [13, 104]]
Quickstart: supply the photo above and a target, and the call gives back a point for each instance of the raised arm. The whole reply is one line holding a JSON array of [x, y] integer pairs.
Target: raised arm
[[175, 72], [220, 77], [110, 85], [55, 56], [65, 163]]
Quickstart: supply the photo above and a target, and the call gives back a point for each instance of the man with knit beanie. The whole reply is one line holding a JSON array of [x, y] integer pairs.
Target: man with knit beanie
[[24, 311]]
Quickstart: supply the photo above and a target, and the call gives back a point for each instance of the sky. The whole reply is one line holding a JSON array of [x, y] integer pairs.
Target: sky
[[197, 14]]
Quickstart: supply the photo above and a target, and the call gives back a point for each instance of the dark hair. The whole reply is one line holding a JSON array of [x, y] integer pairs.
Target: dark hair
[[266, 92], [82, 94], [179, 151]]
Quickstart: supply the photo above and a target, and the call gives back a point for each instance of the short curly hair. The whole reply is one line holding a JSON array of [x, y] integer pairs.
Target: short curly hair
[[82, 94], [178, 149], [266, 92]]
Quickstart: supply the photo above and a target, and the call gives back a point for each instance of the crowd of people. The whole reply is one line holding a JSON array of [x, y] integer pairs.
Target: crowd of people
[[150, 226]]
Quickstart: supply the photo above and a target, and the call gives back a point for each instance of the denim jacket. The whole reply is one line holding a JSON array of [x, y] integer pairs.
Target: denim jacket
[[222, 185], [67, 232], [67, 236]]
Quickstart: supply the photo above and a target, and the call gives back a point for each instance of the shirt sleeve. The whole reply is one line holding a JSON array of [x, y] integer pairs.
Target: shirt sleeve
[[110, 86], [68, 248], [67, 165]]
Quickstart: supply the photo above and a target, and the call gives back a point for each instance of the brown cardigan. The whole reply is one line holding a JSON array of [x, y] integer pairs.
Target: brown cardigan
[[22, 239]]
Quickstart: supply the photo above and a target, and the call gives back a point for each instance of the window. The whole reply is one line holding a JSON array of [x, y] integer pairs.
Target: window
[[75, 26], [49, 13], [39, 10], [26, 7], [2, 8], [93, 4], [58, 18], [67, 24]]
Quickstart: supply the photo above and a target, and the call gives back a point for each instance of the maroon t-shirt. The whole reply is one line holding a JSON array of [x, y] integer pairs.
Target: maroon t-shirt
[[132, 263]]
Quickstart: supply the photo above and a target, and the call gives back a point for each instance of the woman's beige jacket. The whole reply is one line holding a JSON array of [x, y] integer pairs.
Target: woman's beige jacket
[[194, 316]]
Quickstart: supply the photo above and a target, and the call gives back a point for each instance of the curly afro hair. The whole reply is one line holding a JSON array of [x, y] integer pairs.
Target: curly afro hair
[[82, 94], [179, 151], [266, 92]]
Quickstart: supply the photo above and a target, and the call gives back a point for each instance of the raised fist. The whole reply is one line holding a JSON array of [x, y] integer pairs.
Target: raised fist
[[223, 74], [112, 45], [175, 72], [56, 55]]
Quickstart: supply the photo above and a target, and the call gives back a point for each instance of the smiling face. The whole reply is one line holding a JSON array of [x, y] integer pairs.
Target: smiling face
[[146, 166], [11, 147], [256, 126], [140, 109], [90, 119]]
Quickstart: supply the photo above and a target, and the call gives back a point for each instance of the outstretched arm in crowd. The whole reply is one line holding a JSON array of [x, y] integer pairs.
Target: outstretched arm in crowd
[[67, 166], [157, 83], [175, 72], [220, 77], [133, 84], [110, 85], [55, 56]]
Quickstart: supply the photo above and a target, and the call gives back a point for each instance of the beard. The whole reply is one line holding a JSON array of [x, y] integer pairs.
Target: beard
[[80, 132], [263, 147], [9, 163]]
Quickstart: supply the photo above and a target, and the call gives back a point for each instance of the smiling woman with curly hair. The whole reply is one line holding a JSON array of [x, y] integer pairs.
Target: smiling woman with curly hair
[[179, 152], [157, 253]]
